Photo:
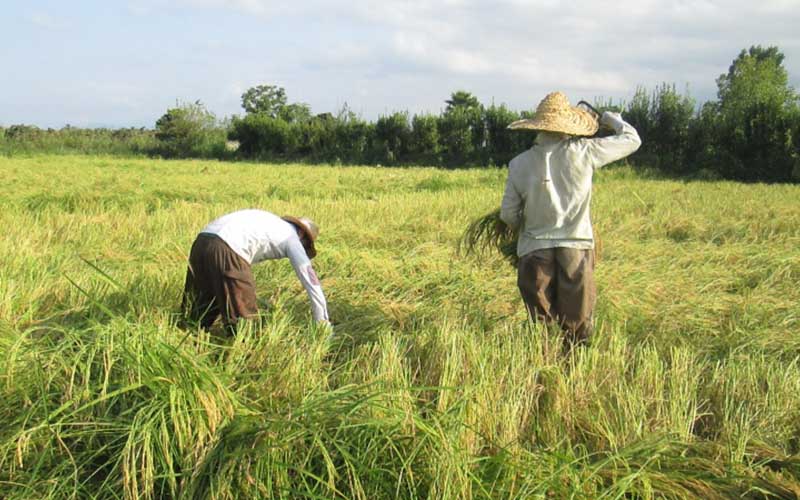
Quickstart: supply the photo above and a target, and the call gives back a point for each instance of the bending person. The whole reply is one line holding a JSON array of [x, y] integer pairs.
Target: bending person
[[219, 280]]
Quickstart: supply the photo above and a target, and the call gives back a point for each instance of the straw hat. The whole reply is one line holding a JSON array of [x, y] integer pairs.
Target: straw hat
[[309, 228], [555, 114]]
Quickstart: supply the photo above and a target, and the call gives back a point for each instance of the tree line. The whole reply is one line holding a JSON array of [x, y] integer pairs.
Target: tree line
[[751, 132]]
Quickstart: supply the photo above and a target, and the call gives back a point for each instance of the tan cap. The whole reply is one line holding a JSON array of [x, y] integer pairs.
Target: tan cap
[[309, 228], [555, 114]]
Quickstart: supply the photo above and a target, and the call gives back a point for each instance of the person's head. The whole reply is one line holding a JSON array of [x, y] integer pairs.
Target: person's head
[[555, 115], [307, 231]]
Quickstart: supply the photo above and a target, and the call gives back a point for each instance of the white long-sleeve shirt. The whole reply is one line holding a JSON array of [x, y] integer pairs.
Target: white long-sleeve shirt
[[257, 235], [549, 187]]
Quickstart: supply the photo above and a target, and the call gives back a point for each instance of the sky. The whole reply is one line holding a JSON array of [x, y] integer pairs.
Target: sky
[[124, 63]]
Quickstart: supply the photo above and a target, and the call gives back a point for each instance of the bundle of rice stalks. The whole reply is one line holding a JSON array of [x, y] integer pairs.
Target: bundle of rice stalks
[[489, 233]]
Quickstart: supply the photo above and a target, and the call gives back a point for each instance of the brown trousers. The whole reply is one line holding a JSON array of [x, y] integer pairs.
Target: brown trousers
[[218, 281], [557, 285]]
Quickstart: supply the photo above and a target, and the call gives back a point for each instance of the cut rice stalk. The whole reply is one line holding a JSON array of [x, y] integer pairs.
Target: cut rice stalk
[[489, 233]]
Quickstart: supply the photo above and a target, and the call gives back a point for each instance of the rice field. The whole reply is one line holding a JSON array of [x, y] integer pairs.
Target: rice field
[[437, 385]]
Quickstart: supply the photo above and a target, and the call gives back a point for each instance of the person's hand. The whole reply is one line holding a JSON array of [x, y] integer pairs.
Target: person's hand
[[611, 120]]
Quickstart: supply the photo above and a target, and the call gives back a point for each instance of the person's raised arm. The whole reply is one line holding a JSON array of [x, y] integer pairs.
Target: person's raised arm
[[605, 150]]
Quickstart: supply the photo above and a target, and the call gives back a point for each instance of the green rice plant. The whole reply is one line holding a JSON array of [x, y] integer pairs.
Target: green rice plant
[[437, 385], [490, 233]]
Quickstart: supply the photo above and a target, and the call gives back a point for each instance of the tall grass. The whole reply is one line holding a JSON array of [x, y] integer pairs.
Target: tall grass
[[21, 140], [437, 385]]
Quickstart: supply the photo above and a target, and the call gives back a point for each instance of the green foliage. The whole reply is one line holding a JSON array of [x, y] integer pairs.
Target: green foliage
[[756, 78], [262, 136], [350, 138], [424, 141], [271, 101], [27, 139], [316, 137], [503, 144], [464, 135], [187, 130], [320, 138], [295, 112], [392, 138], [758, 114], [663, 120], [461, 131], [461, 99], [750, 134], [264, 99]]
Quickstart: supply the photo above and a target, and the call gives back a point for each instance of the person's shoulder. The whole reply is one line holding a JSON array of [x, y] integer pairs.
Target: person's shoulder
[[246, 213], [260, 216], [295, 250], [579, 145], [520, 160], [258, 212]]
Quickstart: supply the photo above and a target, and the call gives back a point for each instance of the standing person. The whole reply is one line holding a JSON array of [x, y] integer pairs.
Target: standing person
[[219, 280], [547, 198]]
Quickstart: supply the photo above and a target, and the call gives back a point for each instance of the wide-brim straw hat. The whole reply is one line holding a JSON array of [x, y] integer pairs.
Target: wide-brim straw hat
[[555, 114], [309, 228]]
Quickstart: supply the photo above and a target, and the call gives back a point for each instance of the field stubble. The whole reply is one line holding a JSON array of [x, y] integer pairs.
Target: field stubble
[[438, 386]]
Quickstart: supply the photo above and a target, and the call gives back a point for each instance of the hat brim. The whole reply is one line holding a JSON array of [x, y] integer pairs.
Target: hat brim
[[575, 122], [311, 250]]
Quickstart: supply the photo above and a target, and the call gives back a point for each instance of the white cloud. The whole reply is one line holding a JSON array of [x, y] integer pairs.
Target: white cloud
[[516, 51], [386, 55]]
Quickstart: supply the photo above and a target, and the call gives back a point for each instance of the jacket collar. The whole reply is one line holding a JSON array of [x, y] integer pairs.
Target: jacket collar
[[549, 139]]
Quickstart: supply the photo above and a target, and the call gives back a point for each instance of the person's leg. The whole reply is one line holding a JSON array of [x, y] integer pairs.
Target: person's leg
[[575, 294], [536, 281], [198, 303], [234, 285], [241, 294]]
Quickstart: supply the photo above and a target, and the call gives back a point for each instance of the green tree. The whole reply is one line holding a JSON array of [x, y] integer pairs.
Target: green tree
[[271, 100], [295, 112], [262, 136], [462, 129], [757, 118], [503, 144], [352, 136], [672, 114], [268, 99], [425, 138], [392, 137], [457, 130], [186, 130], [461, 99], [755, 78]]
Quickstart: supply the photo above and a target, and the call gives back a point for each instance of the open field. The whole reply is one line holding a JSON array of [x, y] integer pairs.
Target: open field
[[438, 386]]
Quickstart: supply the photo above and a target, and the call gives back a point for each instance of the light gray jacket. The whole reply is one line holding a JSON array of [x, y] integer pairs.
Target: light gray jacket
[[549, 187]]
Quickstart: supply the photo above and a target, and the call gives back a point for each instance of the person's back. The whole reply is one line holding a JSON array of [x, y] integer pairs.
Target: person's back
[[547, 200], [254, 234], [553, 182]]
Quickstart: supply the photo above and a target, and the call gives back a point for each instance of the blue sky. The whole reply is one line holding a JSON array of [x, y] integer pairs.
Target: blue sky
[[123, 63]]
